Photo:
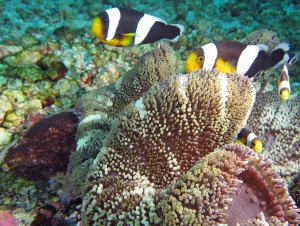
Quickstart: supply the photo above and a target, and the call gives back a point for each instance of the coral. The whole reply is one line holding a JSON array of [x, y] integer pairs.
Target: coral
[[13, 120], [30, 73], [276, 123], [98, 109], [262, 190], [5, 138], [228, 186], [59, 31], [155, 66], [262, 36], [6, 50], [35, 116], [16, 106], [57, 71], [45, 149], [26, 90], [5, 107], [161, 136], [18, 194], [49, 214], [48, 67], [68, 90], [28, 40], [27, 56], [3, 80], [7, 219], [53, 68], [295, 188], [93, 65]]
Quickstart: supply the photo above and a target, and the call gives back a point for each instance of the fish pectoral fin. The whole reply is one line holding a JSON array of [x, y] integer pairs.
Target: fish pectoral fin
[[239, 141], [130, 34], [127, 40], [233, 63]]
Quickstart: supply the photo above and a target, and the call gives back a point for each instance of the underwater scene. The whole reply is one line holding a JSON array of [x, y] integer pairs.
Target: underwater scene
[[149, 112]]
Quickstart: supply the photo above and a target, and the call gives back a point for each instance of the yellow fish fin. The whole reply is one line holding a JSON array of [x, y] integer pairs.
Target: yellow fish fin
[[113, 42], [127, 40], [224, 67], [241, 141], [258, 146], [129, 34]]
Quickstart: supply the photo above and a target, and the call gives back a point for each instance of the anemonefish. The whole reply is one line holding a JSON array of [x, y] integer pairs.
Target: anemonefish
[[127, 27], [248, 138], [231, 56], [284, 88]]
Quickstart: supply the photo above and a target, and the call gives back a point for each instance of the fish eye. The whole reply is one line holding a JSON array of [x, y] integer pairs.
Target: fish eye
[[200, 59], [105, 22], [252, 144]]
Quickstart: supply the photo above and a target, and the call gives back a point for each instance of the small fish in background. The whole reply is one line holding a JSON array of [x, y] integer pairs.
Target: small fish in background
[[284, 88], [247, 137], [231, 56], [127, 27]]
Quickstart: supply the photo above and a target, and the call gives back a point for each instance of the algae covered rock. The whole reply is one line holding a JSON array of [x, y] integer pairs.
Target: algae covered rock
[[28, 40], [5, 138], [53, 68], [13, 120], [30, 73], [6, 50], [68, 90], [27, 56]]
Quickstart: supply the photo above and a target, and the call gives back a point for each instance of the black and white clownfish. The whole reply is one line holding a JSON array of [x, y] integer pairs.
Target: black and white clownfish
[[231, 56], [284, 88], [247, 137], [127, 27]]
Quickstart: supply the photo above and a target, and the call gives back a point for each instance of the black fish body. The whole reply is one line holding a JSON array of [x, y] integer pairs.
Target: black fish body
[[126, 27], [231, 56]]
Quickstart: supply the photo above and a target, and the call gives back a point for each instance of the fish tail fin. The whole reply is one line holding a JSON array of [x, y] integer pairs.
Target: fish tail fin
[[176, 31], [279, 55]]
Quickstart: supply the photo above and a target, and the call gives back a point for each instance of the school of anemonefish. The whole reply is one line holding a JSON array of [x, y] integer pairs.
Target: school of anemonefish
[[123, 27]]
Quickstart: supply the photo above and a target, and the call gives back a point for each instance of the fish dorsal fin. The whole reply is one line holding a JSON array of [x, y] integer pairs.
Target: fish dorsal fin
[[263, 47], [279, 54], [283, 45], [159, 19], [248, 127]]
